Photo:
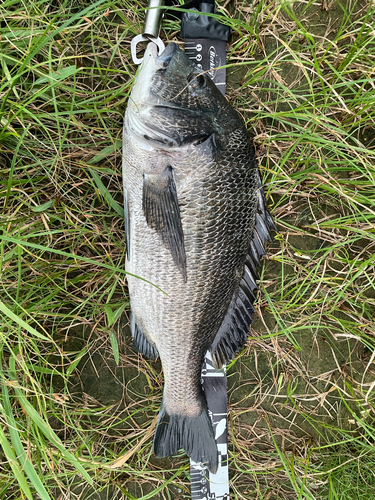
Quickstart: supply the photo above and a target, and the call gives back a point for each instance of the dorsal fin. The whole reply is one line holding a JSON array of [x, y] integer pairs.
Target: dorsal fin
[[235, 328]]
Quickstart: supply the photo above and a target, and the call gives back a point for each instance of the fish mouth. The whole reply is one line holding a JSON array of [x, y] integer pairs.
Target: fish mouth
[[140, 116], [166, 56], [152, 62], [150, 65]]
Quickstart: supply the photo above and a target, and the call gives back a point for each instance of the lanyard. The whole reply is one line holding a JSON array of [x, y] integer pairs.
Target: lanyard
[[205, 44]]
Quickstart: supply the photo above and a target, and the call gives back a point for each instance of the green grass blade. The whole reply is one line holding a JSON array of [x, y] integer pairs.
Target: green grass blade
[[21, 452], [13, 462], [44, 427]]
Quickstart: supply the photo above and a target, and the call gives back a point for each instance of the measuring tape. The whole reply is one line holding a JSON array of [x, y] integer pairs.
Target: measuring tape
[[204, 484], [209, 53]]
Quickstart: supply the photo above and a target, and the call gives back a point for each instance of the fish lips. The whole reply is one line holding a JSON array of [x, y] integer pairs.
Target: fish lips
[[141, 90], [159, 72], [166, 56]]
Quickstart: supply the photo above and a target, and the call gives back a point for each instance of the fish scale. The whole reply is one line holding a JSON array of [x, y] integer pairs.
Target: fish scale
[[192, 189]]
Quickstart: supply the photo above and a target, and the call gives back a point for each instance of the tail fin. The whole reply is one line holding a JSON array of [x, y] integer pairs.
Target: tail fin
[[194, 434]]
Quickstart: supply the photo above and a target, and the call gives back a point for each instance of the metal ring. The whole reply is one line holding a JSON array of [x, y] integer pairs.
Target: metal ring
[[144, 38]]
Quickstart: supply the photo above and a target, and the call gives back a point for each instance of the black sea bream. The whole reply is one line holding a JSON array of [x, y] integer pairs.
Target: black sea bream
[[196, 227]]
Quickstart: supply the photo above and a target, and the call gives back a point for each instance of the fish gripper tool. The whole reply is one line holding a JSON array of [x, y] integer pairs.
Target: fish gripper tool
[[151, 29]]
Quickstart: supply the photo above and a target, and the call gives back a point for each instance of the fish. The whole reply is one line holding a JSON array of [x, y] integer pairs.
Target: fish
[[196, 224]]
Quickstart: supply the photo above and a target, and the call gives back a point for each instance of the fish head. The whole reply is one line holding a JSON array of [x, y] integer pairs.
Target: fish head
[[174, 103]]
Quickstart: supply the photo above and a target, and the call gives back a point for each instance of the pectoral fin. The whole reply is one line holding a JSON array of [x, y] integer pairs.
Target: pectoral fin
[[160, 207]]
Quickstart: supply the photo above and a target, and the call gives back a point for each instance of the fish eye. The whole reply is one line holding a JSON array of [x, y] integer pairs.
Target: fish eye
[[196, 80]]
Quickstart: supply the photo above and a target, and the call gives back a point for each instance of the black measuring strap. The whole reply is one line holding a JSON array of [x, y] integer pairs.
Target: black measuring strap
[[205, 45], [205, 38]]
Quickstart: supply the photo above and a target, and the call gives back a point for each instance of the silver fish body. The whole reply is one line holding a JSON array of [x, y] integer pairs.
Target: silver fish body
[[196, 227]]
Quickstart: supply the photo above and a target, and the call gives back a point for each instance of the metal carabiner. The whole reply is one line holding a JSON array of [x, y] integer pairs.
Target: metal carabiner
[[151, 29]]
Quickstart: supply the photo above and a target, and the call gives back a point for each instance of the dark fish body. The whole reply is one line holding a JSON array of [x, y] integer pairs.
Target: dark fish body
[[196, 227]]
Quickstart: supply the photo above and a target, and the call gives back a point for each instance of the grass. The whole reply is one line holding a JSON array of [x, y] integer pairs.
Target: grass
[[77, 401]]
